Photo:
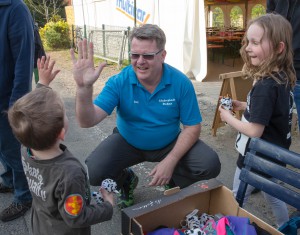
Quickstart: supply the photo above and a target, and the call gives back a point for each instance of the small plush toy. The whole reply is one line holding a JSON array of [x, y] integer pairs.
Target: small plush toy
[[97, 197], [109, 185], [226, 102], [192, 220], [196, 231]]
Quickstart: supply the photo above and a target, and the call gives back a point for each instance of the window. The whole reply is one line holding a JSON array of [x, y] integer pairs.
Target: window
[[218, 18], [257, 11], [236, 17]]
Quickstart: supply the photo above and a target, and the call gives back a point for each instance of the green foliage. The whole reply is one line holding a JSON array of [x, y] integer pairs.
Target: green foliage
[[218, 17], [55, 35], [56, 18], [257, 11], [236, 17], [43, 10]]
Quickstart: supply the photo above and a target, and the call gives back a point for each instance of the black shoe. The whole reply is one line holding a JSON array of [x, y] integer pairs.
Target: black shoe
[[126, 195], [14, 211], [5, 189]]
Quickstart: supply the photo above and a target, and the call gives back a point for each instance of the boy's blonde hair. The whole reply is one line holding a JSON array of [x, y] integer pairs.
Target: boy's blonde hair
[[277, 29], [37, 118]]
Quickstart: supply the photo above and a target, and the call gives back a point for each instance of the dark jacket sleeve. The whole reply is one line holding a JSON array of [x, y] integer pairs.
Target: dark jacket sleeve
[[38, 46], [21, 40], [271, 5]]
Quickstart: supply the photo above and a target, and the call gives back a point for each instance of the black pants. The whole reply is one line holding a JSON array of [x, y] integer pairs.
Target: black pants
[[114, 154]]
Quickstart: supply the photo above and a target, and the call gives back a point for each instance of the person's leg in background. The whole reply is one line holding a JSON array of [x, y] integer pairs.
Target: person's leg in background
[[279, 209], [297, 95], [13, 176], [236, 184], [297, 103]]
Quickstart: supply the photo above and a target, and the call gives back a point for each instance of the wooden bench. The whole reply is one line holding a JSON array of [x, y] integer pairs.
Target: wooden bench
[[285, 181]]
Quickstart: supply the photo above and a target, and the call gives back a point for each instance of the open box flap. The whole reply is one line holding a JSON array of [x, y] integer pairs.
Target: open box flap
[[150, 207], [147, 206]]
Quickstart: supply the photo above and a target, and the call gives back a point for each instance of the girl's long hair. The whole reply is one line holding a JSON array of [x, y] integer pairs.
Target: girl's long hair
[[277, 29]]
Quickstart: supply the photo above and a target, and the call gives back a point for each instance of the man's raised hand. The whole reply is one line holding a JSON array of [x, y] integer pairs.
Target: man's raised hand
[[84, 72]]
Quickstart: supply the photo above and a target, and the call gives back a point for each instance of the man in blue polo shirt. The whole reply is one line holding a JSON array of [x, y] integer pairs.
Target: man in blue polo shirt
[[152, 99]]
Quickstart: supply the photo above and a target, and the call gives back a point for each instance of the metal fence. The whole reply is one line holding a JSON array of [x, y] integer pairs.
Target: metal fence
[[110, 42]]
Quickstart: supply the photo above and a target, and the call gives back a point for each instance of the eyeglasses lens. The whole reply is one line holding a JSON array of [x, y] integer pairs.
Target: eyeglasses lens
[[135, 56]]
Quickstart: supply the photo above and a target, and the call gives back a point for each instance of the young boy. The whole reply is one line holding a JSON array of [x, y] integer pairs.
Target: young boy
[[57, 180]]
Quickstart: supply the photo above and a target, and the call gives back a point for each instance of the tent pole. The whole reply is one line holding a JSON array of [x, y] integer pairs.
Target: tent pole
[[134, 9], [246, 14]]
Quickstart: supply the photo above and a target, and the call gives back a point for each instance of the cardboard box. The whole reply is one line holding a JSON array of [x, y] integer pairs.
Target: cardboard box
[[209, 196]]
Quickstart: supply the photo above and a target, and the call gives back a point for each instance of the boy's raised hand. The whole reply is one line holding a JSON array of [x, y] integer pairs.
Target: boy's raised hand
[[84, 72], [45, 68]]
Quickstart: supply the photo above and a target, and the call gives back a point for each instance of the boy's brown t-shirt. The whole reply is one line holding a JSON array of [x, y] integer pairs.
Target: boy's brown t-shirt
[[61, 195]]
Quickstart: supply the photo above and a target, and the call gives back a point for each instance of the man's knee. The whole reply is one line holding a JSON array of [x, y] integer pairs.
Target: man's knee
[[213, 164], [94, 173]]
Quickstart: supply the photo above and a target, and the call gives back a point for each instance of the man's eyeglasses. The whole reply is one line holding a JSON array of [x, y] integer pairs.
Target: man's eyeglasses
[[147, 56]]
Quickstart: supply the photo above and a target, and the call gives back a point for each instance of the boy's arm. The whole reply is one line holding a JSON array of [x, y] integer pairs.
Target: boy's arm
[[75, 209], [46, 73]]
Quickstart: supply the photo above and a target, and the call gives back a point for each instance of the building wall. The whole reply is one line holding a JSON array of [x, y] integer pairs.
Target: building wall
[[70, 15]]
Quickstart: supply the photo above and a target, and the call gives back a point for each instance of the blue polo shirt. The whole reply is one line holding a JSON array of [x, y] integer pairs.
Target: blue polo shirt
[[150, 121]]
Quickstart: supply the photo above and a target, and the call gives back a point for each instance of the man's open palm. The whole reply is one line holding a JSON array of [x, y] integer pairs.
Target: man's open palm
[[84, 72]]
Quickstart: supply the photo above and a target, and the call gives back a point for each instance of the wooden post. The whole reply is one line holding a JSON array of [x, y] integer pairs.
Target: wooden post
[[237, 87]]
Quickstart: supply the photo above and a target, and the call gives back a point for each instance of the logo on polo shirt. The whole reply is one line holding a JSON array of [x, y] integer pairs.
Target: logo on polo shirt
[[166, 101]]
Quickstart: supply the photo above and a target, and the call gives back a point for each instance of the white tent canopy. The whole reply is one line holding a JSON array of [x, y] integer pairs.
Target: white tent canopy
[[183, 22]]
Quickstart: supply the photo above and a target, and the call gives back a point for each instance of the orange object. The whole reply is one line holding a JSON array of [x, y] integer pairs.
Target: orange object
[[73, 204]]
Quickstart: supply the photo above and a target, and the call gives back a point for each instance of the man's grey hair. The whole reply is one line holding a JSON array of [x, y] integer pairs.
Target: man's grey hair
[[149, 32]]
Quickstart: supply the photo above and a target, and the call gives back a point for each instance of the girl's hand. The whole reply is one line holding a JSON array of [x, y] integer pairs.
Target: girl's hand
[[238, 105], [45, 68], [225, 114], [84, 72]]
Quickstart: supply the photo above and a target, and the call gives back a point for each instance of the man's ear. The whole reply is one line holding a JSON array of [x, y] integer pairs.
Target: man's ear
[[281, 47], [62, 134]]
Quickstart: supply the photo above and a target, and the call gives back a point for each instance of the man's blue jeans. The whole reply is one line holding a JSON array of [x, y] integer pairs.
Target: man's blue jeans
[[10, 157]]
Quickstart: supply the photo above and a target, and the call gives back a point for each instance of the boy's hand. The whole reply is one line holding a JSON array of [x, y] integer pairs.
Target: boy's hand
[[45, 68], [107, 196], [84, 72]]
